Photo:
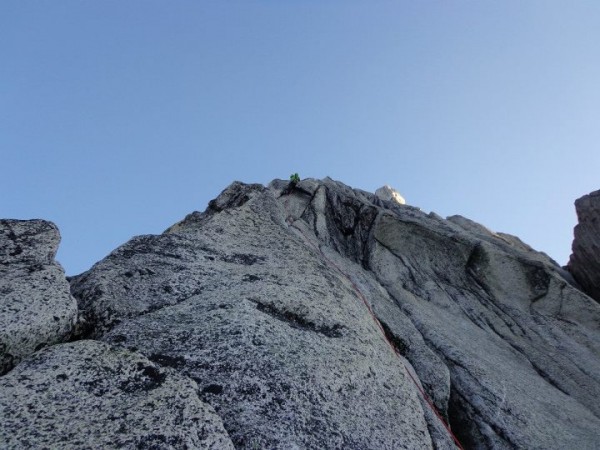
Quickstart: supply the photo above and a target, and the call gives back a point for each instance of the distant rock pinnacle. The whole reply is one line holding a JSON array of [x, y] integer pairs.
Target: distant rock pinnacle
[[390, 194], [584, 263]]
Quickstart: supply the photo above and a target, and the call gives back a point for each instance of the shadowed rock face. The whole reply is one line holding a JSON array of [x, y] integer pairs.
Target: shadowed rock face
[[260, 301], [584, 263], [36, 307]]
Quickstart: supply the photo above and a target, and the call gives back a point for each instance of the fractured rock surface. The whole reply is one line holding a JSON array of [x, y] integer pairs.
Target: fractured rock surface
[[264, 303], [87, 395], [584, 263], [36, 307], [522, 346], [278, 341]]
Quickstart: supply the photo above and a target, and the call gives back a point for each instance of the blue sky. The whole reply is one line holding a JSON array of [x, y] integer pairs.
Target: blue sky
[[118, 118]]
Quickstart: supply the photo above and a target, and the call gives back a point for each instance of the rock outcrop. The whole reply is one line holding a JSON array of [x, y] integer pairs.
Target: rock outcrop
[[326, 317], [388, 193], [88, 395], [36, 306], [236, 300], [584, 263]]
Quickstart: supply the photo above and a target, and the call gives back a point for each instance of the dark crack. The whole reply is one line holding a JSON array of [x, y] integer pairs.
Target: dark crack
[[243, 258], [542, 373], [396, 341], [464, 418], [296, 321]]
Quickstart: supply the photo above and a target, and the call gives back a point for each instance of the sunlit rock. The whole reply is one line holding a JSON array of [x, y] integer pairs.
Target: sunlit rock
[[390, 194]]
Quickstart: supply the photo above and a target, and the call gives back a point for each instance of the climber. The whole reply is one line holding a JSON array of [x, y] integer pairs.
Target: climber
[[294, 180]]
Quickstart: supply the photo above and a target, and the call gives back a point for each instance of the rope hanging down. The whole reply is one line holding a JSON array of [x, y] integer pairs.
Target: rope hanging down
[[426, 397]]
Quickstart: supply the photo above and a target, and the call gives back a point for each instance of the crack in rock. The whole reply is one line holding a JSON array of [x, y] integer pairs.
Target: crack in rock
[[297, 321]]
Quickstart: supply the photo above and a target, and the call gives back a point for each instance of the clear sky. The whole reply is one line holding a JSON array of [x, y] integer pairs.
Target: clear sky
[[118, 118]]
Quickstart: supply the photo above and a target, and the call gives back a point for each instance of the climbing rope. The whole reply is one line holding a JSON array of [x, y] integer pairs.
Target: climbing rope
[[426, 397]]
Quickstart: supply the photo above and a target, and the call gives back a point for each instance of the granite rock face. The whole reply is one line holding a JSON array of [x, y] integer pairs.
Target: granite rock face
[[520, 344], [276, 339], [36, 307], [87, 395], [584, 263], [311, 317]]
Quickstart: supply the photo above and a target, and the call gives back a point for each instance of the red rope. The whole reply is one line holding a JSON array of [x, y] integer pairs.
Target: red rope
[[392, 346]]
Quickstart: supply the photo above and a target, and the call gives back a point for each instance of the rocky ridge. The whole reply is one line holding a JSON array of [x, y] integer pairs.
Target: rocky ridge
[[584, 263], [270, 316]]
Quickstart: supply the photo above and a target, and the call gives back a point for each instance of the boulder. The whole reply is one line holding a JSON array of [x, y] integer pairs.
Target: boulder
[[584, 263], [87, 394], [36, 307], [389, 194]]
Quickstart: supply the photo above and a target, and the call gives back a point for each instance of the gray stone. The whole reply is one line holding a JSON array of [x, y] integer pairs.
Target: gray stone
[[87, 395], [521, 345], [36, 307], [265, 300], [277, 340], [584, 263]]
